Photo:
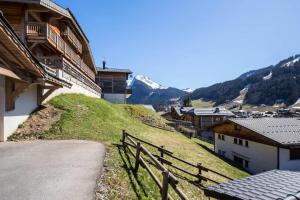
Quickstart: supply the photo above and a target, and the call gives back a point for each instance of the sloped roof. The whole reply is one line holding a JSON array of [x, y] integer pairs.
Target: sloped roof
[[285, 131], [114, 70], [212, 111], [51, 5], [181, 110], [275, 184]]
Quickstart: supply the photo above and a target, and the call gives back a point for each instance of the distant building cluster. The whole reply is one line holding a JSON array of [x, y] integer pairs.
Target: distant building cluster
[[258, 142]]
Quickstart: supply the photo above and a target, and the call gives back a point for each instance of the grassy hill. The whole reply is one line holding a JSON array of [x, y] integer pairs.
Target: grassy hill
[[94, 119]]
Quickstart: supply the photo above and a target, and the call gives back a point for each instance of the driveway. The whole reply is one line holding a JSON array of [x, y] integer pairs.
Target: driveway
[[50, 170]]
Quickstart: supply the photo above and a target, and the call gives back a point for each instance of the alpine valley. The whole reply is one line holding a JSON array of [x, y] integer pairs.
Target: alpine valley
[[276, 84], [272, 85]]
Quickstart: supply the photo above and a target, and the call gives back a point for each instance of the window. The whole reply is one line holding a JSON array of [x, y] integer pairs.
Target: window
[[235, 141], [246, 164], [221, 137], [295, 154], [241, 142], [241, 161], [223, 153], [246, 143], [238, 160]]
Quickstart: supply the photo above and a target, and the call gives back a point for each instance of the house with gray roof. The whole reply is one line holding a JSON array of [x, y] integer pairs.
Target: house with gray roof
[[260, 144], [113, 82], [271, 185]]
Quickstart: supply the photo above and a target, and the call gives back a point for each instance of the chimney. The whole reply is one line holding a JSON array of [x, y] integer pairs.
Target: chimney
[[104, 64]]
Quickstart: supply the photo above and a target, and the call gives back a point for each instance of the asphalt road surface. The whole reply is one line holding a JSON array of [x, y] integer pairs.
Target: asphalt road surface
[[50, 170]]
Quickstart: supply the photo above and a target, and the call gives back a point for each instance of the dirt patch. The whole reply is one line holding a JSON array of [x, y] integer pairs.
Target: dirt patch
[[39, 121]]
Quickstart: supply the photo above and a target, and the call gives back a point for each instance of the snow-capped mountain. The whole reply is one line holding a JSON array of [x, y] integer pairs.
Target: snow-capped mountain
[[147, 91], [146, 80], [188, 90]]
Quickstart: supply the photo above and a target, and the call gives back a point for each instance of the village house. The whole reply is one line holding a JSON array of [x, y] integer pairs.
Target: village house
[[114, 84], [43, 53], [271, 185], [55, 38], [22, 79], [201, 118], [260, 144], [179, 112]]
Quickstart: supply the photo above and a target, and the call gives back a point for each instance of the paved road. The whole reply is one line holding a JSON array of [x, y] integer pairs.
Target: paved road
[[50, 170]]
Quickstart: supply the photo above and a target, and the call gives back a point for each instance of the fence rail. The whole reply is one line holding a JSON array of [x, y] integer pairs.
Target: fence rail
[[160, 162]]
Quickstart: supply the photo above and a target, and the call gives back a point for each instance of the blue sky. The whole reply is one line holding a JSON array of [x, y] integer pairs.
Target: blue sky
[[189, 43]]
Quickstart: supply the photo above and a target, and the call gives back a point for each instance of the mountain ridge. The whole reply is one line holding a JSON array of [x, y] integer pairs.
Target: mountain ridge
[[269, 85], [146, 91]]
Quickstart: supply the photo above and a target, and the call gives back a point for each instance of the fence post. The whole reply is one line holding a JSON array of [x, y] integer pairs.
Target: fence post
[[165, 185], [123, 137], [162, 154], [137, 157], [199, 165]]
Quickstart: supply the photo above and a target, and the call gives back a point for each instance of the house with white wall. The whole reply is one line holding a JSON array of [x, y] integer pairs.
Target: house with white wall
[[260, 144], [22, 79], [43, 53]]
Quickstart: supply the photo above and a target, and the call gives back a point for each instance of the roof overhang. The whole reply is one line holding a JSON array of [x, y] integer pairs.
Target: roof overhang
[[66, 13], [25, 67]]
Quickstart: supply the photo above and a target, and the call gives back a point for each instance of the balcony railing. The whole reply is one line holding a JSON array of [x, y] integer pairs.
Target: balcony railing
[[68, 33], [55, 62], [37, 30], [59, 62]]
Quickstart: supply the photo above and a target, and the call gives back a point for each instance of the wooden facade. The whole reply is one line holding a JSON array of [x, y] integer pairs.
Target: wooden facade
[[234, 130], [54, 37]]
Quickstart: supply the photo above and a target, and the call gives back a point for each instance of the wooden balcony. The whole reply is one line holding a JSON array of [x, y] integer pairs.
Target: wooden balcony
[[55, 62], [70, 36], [59, 62], [37, 31]]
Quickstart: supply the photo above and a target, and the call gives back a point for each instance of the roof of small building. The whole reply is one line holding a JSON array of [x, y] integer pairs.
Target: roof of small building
[[114, 70], [285, 131], [181, 110], [218, 111], [275, 184]]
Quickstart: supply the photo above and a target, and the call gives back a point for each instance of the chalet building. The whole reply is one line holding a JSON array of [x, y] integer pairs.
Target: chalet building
[[180, 113], [22, 81], [43, 53], [271, 185], [202, 118], [114, 84], [55, 38], [260, 144]]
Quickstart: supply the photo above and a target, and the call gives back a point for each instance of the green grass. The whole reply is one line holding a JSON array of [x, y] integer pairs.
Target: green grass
[[94, 119], [202, 104]]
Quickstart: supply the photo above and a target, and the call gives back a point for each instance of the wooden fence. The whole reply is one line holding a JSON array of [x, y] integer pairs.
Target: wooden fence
[[130, 142]]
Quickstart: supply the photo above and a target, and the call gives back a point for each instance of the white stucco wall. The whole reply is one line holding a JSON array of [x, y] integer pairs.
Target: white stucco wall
[[77, 87], [115, 98], [286, 163], [24, 105], [2, 107], [261, 157]]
